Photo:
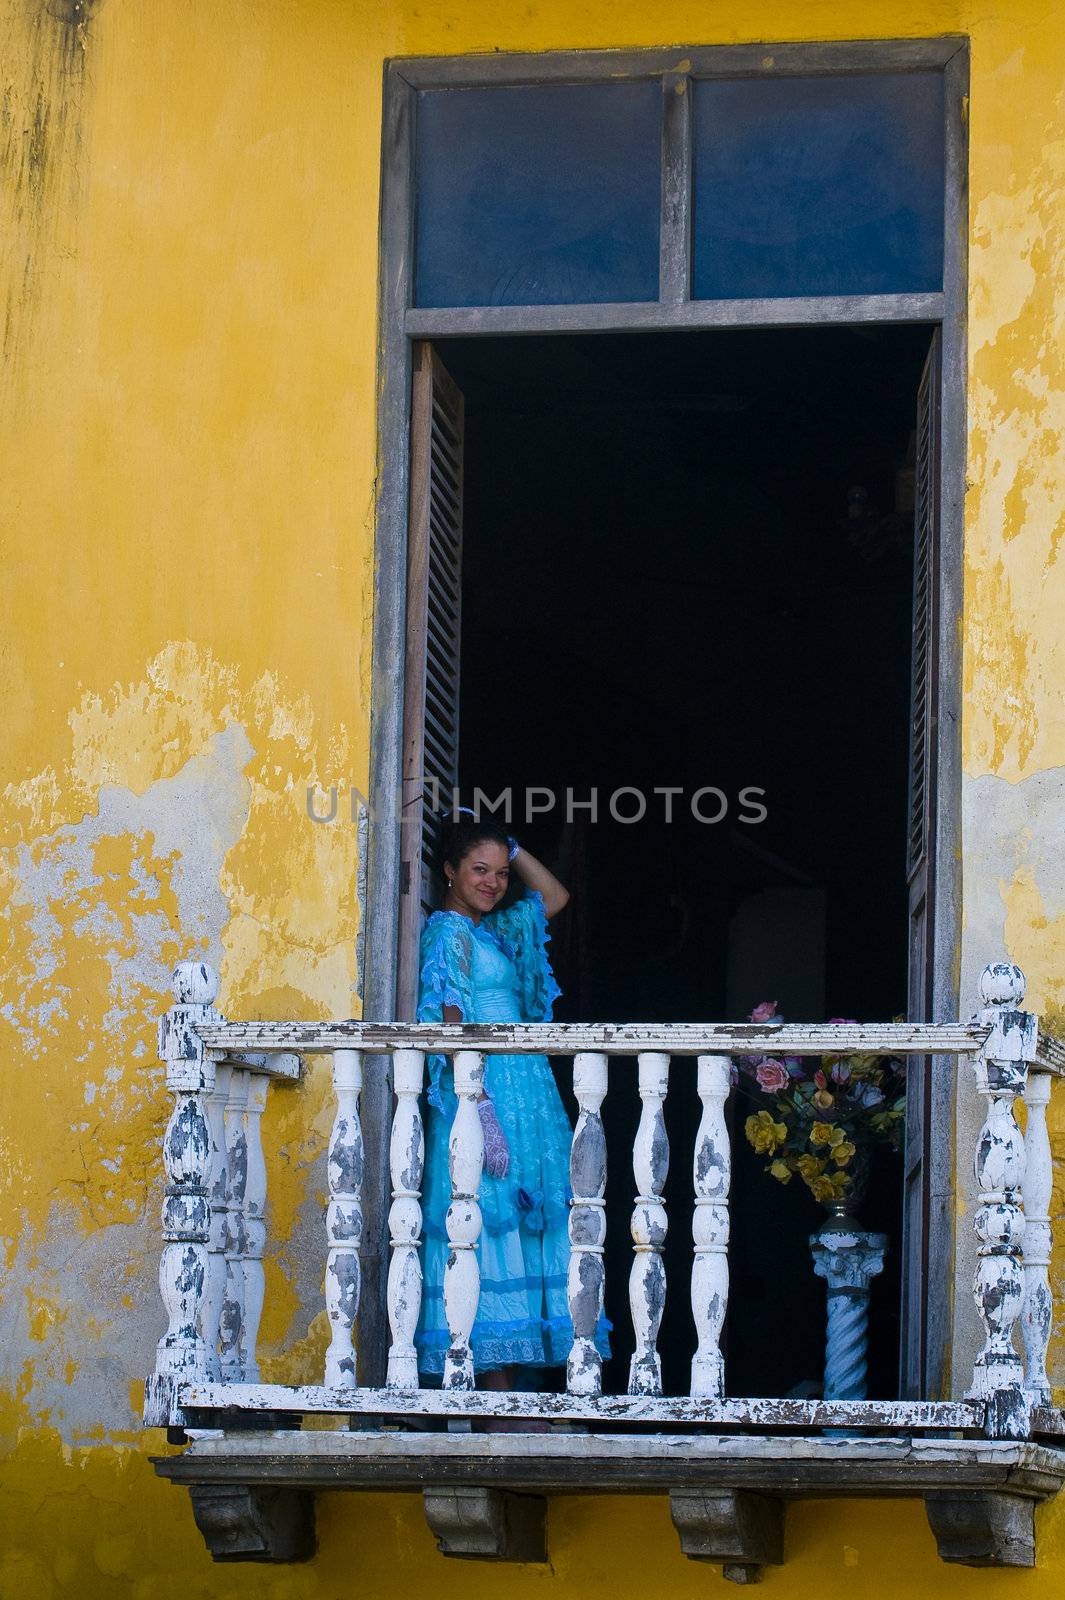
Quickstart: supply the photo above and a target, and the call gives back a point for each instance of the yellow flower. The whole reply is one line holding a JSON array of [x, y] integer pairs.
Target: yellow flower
[[764, 1134], [840, 1182], [810, 1167], [823, 1100], [822, 1191], [843, 1152], [781, 1171], [825, 1133]]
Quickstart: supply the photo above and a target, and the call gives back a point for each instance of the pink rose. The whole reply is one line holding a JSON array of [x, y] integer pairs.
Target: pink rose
[[772, 1076], [820, 1079], [764, 1011], [842, 1022]]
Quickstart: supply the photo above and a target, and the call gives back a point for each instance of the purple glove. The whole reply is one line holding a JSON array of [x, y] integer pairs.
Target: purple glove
[[496, 1149]]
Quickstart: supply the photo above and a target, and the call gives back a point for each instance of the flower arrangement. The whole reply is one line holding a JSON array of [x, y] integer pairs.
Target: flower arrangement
[[828, 1111]]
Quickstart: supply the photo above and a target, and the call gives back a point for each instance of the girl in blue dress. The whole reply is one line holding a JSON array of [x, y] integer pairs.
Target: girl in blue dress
[[483, 964]]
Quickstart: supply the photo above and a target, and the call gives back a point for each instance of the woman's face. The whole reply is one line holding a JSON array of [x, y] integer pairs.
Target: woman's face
[[479, 881]]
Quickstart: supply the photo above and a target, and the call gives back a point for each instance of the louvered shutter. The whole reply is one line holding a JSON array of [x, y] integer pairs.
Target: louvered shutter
[[431, 687], [919, 1293]]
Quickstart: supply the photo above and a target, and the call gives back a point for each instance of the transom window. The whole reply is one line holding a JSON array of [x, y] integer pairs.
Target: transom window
[[721, 187]]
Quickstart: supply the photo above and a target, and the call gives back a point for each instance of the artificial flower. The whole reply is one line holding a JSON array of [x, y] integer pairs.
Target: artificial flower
[[780, 1171], [823, 1100], [825, 1133], [844, 1152], [772, 1076], [764, 1011], [764, 1134]]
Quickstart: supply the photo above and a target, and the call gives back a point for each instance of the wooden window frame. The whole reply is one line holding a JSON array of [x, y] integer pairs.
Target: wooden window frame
[[400, 324]]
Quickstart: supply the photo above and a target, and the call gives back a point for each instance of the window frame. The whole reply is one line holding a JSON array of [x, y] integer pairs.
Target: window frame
[[401, 324]]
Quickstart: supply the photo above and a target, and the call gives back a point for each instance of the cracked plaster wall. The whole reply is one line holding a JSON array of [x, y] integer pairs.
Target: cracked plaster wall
[[189, 282]]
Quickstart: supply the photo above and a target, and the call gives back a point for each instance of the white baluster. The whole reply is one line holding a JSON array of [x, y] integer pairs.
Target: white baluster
[[254, 1226], [712, 1168], [343, 1277], [587, 1224], [407, 1164], [647, 1280], [184, 1268], [217, 1194], [1038, 1314], [231, 1326], [1001, 1069], [462, 1276]]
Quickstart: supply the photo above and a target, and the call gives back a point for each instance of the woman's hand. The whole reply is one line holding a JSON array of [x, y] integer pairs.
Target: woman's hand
[[496, 1149]]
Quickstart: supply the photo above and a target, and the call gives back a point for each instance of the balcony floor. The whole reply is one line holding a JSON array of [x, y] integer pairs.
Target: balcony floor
[[484, 1492]]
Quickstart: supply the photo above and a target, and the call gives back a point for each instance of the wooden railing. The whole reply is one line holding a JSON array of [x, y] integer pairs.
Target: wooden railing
[[214, 1223]]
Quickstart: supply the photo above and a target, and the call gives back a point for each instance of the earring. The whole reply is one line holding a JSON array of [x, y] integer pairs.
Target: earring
[[451, 883]]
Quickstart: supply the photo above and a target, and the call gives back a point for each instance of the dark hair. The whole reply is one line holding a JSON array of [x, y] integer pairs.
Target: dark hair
[[461, 834]]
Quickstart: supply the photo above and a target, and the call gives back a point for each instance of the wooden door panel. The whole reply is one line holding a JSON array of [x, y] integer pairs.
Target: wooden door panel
[[433, 636], [919, 1291]]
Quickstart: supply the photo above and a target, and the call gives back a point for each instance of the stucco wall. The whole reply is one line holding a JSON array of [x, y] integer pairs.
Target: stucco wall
[[188, 226]]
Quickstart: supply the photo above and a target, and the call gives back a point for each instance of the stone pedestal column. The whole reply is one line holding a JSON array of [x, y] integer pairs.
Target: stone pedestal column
[[848, 1259]]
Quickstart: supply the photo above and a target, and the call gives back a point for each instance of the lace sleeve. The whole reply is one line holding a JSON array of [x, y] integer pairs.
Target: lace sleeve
[[524, 927], [445, 979]]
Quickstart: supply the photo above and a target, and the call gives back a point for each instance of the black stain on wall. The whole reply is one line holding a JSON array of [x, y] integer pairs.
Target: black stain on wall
[[42, 97]]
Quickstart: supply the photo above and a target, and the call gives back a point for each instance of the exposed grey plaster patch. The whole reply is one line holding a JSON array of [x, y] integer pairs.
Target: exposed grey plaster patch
[[80, 1370], [196, 817], [1006, 828], [70, 1281]]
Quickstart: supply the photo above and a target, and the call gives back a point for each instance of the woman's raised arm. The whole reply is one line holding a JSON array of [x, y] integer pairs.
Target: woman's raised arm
[[535, 875]]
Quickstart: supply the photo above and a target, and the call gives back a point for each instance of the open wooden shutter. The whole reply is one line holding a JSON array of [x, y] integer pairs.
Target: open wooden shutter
[[919, 1293], [431, 686]]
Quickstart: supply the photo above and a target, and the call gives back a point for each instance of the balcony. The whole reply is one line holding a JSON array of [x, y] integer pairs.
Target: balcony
[[256, 1452]]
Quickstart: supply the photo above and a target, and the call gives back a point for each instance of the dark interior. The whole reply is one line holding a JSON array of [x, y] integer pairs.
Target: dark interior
[[688, 562]]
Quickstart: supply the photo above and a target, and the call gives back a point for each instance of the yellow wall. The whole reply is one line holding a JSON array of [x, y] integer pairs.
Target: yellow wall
[[188, 229]]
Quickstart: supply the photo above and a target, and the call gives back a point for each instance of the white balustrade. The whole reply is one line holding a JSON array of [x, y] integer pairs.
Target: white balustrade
[[407, 1166], [231, 1327], [344, 1222], [185, 1351], [587, 1224], [254, 1226], [217, 1186], [1001, 1069], [214, 1217], [712, 1167], [1038, 1314], [647, 1279], [462, 1277]]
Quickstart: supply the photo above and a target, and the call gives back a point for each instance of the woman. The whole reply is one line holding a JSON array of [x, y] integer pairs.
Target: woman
[[482, 964]]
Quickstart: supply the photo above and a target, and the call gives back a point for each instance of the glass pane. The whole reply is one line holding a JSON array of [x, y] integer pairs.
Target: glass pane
[[815, 186], [538, 195]]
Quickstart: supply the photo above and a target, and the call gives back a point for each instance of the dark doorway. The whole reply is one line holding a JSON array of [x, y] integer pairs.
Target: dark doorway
[[688, 563]]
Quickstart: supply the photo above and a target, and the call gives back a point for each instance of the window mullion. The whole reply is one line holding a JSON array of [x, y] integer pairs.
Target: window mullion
[[674, 273]]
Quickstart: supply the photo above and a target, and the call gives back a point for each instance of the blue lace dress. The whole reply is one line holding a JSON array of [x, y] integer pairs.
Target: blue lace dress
[[498, 971]]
